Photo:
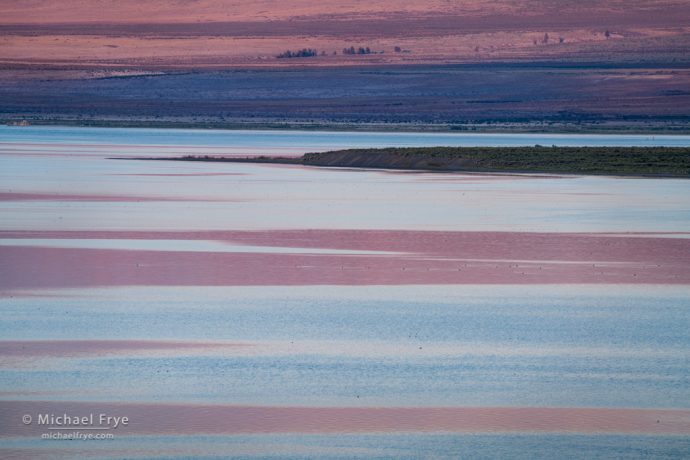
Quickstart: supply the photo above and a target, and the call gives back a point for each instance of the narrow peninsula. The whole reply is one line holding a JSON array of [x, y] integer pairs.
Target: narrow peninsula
[[636, 161]]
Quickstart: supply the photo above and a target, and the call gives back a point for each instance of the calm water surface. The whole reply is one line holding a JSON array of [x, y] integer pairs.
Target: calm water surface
[[423, 345]]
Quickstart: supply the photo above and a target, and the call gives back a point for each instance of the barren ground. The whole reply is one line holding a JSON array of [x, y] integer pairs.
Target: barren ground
[[431, 63]]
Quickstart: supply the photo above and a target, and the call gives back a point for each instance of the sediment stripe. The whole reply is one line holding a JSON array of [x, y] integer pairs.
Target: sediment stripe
[[220, 419]]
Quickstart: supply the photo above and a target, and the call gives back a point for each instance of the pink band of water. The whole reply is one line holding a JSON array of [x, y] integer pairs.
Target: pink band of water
[[60, 348], [221, 419], [420, 258]]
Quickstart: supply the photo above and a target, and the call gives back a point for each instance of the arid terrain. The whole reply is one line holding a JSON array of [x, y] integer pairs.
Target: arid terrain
[[617, 64], [171, 34]]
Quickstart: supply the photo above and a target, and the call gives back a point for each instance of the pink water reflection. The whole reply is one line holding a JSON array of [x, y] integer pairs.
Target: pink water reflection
[[221, 419], [417, 258], [67, 348]]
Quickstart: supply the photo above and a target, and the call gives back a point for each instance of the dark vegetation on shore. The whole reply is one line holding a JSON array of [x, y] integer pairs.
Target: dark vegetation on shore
[[304, 52], [641, 161], [310, 52]]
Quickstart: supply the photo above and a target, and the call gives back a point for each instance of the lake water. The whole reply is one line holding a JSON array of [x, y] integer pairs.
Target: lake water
[[298, 142], [266, 311]]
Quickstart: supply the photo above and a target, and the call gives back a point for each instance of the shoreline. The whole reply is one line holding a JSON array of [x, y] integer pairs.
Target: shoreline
[[468, 128]]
